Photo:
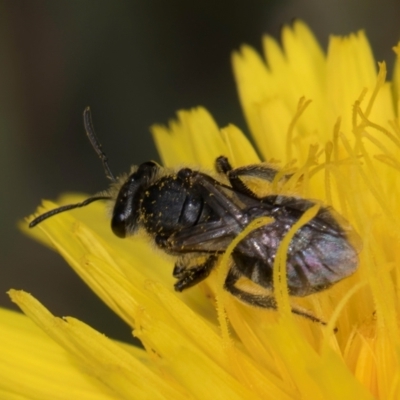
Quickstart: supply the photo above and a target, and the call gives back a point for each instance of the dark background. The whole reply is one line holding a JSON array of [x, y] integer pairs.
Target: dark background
[[135, 63]]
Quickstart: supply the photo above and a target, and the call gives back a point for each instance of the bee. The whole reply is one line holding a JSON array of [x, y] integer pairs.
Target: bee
[[194, 216]]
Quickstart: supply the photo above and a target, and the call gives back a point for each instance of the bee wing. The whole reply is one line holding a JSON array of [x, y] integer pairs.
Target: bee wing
[[322, 263], [347, 230], [326, 221], [322, 252], [212, 236], [225, 201], [331, 253]]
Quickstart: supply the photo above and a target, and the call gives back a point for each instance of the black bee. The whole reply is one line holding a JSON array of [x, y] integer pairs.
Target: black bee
[[194, 216]]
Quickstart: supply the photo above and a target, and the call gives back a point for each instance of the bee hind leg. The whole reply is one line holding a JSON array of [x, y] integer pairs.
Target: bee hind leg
[[259, 300], [260, 171]]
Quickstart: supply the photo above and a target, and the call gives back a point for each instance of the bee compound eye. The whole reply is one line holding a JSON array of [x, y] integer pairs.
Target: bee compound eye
[[118, 225]]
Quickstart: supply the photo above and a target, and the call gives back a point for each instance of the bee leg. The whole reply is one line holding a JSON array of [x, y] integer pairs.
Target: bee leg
[[260, 171], [189, 277], [222, 165], [259, 300]]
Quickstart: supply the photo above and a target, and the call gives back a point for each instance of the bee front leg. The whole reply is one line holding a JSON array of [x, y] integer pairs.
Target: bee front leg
[[190, 276]]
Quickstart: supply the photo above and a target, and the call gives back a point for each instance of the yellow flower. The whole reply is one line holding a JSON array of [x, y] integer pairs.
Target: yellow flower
[[332, 120]]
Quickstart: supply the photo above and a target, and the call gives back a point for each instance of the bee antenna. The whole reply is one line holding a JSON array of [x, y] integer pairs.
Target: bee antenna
[[67, 207], [94, 141]]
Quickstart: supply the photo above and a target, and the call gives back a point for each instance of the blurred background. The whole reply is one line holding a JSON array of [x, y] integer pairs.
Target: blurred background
[[135, 63]]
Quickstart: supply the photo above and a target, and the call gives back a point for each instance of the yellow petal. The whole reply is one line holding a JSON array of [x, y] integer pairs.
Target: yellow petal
[[252, 89], [107, 362], [193, 139], [396, 78], [34, 367], [350, 69], [239, 151]]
